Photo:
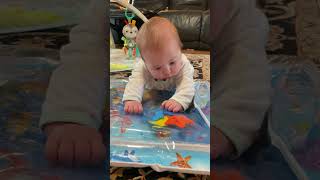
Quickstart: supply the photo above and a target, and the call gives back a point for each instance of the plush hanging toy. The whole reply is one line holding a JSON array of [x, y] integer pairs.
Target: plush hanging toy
[[129, 32]]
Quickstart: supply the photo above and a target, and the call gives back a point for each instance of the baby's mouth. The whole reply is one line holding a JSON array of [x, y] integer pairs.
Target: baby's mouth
[[160, 79]]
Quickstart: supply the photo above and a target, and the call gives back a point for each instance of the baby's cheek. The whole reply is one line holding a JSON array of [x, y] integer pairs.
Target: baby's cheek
[[155, 74], [177, 68]]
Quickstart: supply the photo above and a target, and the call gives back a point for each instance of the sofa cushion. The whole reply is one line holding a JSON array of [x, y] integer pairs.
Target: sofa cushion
[[151, 5], [205, 31], [188, 4], [188, 23]]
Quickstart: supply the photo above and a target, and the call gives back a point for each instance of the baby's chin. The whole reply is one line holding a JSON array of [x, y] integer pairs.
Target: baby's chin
[[162, 77]]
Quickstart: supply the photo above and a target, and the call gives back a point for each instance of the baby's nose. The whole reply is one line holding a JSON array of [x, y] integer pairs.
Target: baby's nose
[[166, 71]]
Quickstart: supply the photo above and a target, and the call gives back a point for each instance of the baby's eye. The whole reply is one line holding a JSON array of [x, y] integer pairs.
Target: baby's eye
[[127, 31], [158, 68], [172, 63]]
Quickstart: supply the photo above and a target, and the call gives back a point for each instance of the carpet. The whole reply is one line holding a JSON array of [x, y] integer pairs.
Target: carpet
[[294, 35], [200, 62], [282, 36]]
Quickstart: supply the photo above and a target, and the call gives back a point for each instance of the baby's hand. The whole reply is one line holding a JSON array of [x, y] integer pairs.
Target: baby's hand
[[222, 146], [172, 105], [134, 107], [73, 144]]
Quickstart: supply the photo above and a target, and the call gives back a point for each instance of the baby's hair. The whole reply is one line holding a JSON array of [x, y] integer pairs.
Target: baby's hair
[[148, 35]]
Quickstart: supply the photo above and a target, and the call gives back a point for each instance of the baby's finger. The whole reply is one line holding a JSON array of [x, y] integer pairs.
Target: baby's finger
[[168, 104], [136, 108], [171, 106], [130, 109], [98, 152], [66, 153], [126, 108], [163, 104], [51, 149], [82, 152], [176, 109]]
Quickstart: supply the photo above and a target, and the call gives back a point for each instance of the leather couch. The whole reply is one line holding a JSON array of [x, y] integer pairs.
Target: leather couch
[[193, 27], [191, 17]]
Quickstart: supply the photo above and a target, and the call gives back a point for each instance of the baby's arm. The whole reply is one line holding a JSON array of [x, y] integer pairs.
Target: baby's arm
[[241, 83], [133, 93], [77, 87], [72, 112], [185, 86]]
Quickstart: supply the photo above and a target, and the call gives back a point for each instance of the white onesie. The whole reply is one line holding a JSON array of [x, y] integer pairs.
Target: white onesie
[[182, 83]]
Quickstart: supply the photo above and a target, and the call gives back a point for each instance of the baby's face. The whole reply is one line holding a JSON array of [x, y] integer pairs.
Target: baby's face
[[165, 63]]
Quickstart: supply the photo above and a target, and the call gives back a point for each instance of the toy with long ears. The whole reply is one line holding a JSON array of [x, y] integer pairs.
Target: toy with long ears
[[129, 32], [135, 11]]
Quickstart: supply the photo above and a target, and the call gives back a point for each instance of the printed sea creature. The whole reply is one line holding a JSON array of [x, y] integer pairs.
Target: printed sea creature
[[302, 127], [126, 156], [125, 123], [19, 122], [114, 113], [169, 113], [16, 160], [181, 162], [116, 101], [160, 113], [163, 133], [159, 123], [179, 121], [157, 115], [200, 138]]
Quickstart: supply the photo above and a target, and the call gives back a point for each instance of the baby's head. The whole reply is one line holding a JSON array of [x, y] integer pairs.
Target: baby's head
[[160, 46]]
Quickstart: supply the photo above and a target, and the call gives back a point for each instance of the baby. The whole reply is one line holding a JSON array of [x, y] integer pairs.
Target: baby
[[164, 67]]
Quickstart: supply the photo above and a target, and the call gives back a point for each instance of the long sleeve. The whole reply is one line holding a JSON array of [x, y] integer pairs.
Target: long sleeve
[[185, 85], [77, 88], [136, 84], [241, 78]]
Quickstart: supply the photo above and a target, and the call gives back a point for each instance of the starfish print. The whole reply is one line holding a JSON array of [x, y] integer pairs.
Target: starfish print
[[181, 162]]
